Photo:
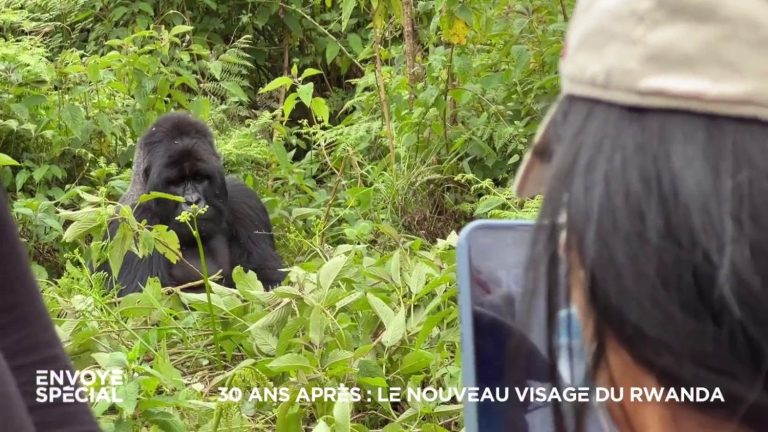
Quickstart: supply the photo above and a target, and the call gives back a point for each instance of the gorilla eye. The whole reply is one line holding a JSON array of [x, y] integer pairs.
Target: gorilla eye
[[199, 178]]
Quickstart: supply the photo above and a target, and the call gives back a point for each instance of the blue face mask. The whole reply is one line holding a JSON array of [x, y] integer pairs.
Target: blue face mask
[[571, 354], [572, 361]]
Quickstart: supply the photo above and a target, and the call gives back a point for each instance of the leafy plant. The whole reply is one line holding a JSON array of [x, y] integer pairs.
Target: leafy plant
[[302, 91]]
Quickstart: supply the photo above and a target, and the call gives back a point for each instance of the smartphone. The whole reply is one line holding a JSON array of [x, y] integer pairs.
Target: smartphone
[[504, 332]]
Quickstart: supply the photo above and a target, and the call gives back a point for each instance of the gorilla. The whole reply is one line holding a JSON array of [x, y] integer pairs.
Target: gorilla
[[177, 156]]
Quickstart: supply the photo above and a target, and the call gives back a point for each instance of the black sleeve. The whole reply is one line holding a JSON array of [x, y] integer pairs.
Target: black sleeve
[[28, 340], [13, 411]]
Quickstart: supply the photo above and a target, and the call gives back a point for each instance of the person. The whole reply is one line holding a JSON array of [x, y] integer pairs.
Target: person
[[28, 344], [653, 164]]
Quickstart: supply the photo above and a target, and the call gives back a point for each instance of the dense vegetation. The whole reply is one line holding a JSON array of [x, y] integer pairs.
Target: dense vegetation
[[373, 131]]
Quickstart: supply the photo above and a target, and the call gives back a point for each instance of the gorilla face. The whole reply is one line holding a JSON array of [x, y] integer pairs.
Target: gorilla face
[[187, 166]]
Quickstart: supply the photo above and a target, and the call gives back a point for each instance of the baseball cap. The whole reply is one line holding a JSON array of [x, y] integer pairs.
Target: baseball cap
[[704, 56]]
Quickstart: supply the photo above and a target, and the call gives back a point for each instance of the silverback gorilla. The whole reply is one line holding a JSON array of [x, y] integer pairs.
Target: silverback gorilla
[[177, 156]]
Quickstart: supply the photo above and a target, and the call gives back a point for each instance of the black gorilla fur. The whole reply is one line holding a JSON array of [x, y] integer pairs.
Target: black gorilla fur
[[177, 156]]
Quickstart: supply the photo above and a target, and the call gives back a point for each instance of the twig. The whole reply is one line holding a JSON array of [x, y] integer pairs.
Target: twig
[[448, 80], [564, 10], [286, 56], [411, 48], [333, 196], [383, 98], [216, 276]]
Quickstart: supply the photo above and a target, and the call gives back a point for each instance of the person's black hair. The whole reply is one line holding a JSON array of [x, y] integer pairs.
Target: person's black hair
[[668, 214]]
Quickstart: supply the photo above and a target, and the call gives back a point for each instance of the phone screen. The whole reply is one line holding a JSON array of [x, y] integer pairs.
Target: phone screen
[[505, 334]]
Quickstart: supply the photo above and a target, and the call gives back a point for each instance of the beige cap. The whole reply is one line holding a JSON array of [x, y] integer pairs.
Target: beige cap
[[705, 56]]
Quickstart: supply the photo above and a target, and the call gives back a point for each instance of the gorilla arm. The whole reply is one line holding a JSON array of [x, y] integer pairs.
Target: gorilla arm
[[252, 244], [216, 258]]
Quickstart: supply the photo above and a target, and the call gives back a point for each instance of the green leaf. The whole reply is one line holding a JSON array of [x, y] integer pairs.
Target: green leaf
[[287, 334], [274, 316], [293, 21], [83, 225], [417, 278], [341, 416], [146, 7], [305, 212], [487, 204], [416, 361], [180, 29], [521, 57], [308, 72], [305, 93], [73, 117], [464, 12], [170, 375], [321, 426], [128, 397], [395, 330], [289, 417], [21, 177], [290, 362], [337, 356], [382, 310], [201, 108], [6, 160], [40, 172], [317, 324], [246, 281], [331, 51], [380, 15], [328, 272], [146, 243], [235, 90], [320, 109], [282, 156], [118, 13], [369, 368], [394, 268], [166, 242], [166, 421], [375, 382], [215, 68], [120, 245], [277, 83], [431, 322], [347, 7], [111, 360], [289, 104], [155, 195], [21, 111], [264, 340], [355, 42]]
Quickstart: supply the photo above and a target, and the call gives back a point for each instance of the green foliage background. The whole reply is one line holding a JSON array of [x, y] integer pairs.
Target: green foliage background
[[367, 169]]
